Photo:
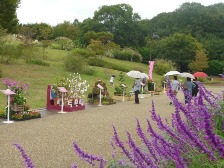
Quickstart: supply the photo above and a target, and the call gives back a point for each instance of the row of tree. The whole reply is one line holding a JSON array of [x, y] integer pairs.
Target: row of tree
[[178, 36]]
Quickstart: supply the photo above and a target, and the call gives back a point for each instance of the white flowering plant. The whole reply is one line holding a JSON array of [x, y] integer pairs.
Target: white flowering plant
[[73, 83]]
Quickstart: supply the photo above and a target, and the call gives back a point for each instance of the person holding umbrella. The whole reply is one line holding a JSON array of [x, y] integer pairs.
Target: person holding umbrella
[[175, 85], [189, 86], [136, 89]]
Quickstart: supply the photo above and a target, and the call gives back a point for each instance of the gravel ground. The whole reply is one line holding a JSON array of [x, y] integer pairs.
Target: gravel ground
[[48, 140]]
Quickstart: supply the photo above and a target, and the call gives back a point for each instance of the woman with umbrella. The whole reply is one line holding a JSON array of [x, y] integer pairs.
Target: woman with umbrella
[[136, 89], [189, 86]]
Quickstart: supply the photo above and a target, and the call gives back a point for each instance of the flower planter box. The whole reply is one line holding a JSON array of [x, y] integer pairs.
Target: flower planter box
[[17, 107]]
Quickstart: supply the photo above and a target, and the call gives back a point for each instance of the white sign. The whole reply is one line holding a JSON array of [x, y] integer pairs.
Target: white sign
[[123, 85], [99, 86]]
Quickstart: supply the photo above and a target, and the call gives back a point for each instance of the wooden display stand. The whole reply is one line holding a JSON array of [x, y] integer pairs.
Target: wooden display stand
[[69, 105]]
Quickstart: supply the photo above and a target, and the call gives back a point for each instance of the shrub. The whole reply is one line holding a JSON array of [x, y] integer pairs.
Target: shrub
[[74, 63], [89, 70], [102, 63], [37, 62], [10, 49], [64, 43], [162, 66], [128, 54], [215, 67], [85, 53]]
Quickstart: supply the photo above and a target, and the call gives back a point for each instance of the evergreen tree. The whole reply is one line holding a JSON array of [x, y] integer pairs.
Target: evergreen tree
[[8, 17]]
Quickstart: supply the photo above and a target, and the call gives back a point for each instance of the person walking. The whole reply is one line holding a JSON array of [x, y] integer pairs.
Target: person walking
[[112, 80], [188, 92], [195, 89], [136, 89], [175, 85]]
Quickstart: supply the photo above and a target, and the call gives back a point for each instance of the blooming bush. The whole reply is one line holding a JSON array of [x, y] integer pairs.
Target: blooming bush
[[190, 140], [73, 83], [19, 88]]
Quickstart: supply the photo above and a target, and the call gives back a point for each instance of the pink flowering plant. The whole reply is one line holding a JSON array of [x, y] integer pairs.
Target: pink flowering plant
[[19, 88]]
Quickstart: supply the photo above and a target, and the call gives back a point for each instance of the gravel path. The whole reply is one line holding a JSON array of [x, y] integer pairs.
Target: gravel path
[[48, 140]]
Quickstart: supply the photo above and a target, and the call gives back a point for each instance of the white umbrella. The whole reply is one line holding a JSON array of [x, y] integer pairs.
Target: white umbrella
[[172, 73], [145, 75], [135, 74], [186, 75]]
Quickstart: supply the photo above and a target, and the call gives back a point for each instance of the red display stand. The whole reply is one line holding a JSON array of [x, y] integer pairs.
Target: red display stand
[[69, 106]]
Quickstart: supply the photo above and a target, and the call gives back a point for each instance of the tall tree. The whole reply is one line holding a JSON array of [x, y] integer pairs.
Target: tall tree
[[121, 22], [179, 48], [8, 16], [66, 29], [200, 63]]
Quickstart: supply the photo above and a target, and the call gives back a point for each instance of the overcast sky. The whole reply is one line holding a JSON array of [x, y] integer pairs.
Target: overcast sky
[[58, 11]]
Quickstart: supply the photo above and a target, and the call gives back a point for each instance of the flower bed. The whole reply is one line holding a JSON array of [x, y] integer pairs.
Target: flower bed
[[21, 116]]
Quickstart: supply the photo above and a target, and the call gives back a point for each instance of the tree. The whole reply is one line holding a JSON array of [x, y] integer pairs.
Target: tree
[[179, 48], [8, 17], [10, 49], [64, 43], [200, 63], [66, 29], [121, 22], [104, 37], [2, 32]]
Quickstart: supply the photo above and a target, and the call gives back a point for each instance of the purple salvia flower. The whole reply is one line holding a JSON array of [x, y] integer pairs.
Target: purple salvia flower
[[146, 141], [158, 136], [143, 157], [74, 165], [153, 112], [170, 132], [223, 125], [178, 159], [160, 150], [192, 136], [121, 145], [27, 160], [88, 157], [212, 138], [114, 149]]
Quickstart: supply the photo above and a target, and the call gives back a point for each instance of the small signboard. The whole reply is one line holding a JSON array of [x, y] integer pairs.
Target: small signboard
[[62, 89], [99, 86]]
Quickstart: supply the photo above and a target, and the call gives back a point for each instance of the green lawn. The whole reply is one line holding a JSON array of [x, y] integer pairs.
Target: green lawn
[[38, 77]]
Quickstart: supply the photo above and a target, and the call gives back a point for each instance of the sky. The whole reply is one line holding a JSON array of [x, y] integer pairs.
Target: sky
[[54, 12]]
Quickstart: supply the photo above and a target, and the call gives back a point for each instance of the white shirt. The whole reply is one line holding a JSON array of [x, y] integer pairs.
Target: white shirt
[[175, 84]]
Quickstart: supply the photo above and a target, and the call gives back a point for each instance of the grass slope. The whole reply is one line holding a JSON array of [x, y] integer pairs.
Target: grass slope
[[38, 77]]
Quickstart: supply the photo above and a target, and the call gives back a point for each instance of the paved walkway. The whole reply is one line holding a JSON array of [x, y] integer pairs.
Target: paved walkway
[[48, 140]]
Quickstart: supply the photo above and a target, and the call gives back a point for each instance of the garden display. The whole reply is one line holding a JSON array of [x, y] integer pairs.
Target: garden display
[[94, 97], [72, 99], [19, 109]]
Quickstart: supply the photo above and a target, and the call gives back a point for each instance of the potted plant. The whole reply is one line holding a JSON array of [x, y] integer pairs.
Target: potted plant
[[18, 100]]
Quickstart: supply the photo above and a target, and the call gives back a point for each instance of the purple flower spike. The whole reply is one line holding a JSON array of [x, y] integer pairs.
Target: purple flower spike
[[74, 165], [88, 157], [140, 156], [121, 145], [27, 160]]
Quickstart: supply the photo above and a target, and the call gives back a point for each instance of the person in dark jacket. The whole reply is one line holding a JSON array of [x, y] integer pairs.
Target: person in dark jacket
[[190, 85], [195, 89]]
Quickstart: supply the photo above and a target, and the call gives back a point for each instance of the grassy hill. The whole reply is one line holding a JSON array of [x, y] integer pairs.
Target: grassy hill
[[38, 77]]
